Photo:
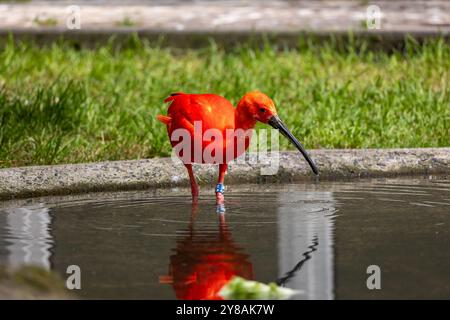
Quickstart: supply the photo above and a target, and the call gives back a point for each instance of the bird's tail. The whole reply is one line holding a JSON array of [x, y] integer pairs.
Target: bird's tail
[[172, 96], [164, 119]]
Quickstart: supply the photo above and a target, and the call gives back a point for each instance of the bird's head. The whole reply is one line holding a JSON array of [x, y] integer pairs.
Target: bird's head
[[262, 109], [259, 106]]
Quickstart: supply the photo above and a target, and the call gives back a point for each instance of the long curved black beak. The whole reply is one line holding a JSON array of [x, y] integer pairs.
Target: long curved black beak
[[276, 123]]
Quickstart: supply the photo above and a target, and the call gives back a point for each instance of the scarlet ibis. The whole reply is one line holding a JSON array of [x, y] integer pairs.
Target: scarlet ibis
[[213, 112]]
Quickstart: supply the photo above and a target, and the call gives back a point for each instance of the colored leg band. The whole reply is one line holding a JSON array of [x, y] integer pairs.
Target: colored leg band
[[220, 188]]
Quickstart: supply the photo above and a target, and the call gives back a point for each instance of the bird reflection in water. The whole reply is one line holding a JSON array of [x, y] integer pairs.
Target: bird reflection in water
[[205, 259]]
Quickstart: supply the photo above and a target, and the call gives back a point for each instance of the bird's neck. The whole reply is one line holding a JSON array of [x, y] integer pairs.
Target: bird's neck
[[242, 118]]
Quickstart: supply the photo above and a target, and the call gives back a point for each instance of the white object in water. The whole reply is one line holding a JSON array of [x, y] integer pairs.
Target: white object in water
[[241, 289]]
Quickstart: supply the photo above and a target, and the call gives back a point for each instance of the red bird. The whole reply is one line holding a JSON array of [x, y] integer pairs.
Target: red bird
[[217, 132]]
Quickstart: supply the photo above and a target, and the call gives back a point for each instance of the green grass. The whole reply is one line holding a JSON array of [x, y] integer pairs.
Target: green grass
[[59, 104], [46, 22], [126, 22]]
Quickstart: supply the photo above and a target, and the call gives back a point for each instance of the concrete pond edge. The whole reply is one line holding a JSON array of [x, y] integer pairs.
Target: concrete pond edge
[[33, 181]]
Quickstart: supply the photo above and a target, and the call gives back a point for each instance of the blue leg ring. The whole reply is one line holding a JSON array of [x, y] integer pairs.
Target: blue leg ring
[[220, 188]]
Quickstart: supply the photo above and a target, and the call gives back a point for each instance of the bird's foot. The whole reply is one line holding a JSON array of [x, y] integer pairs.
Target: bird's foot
[[220, 199]]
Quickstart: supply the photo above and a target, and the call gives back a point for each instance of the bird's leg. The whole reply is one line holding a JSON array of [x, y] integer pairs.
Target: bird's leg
[[194, 186], [220, 187]]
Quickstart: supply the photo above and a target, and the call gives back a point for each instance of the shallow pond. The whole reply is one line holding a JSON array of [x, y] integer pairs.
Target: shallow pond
[[318, 237]]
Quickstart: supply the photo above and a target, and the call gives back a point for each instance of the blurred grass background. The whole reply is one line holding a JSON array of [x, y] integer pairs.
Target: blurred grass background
[[62, 104]]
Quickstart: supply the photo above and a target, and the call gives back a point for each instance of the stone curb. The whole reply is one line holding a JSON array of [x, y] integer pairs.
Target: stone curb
[[34, 181], [328, 16]]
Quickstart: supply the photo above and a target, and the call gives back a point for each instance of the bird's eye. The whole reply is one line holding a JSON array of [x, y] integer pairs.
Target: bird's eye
[[263, 110]]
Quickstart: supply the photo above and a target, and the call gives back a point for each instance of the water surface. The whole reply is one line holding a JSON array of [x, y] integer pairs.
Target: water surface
[[316, 237]]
